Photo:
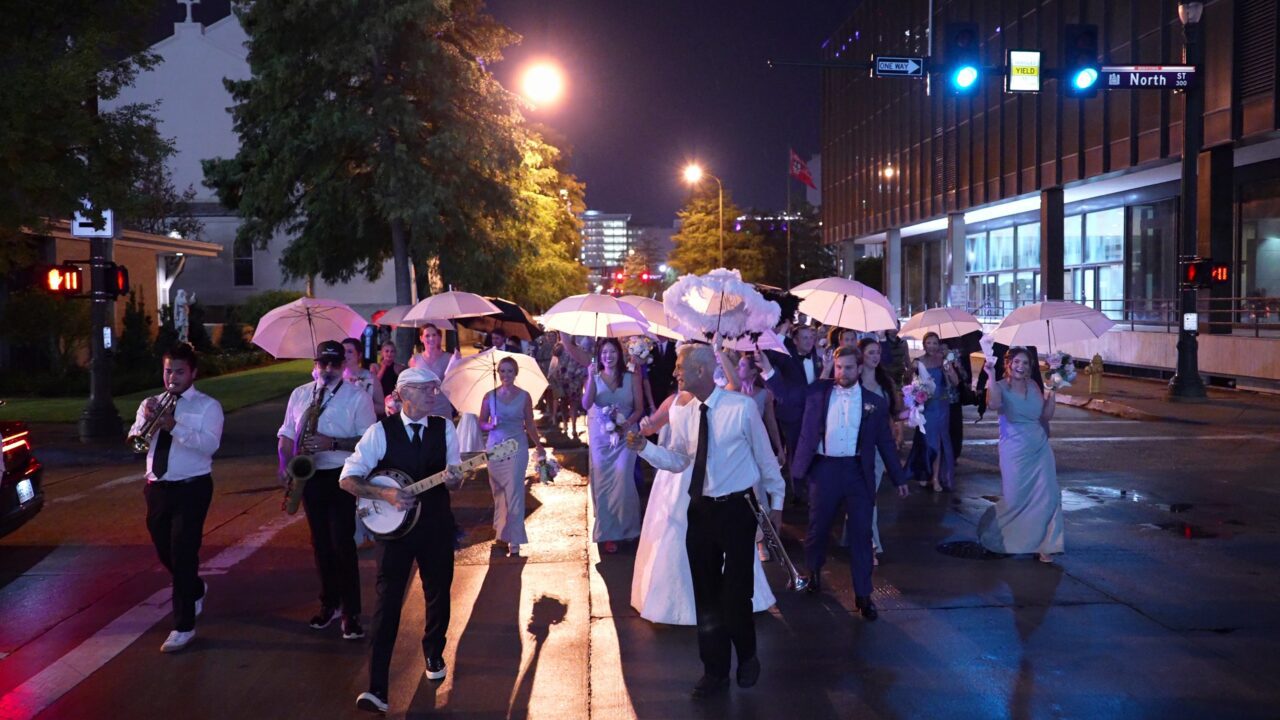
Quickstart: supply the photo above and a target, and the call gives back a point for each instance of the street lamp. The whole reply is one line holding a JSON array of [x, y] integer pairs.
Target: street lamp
[[693, 174], [1186, 384], [542, 83]]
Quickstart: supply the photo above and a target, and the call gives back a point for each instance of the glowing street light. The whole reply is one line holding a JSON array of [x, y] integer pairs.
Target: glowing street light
[[542, 83], [693, 174], [888, 172]]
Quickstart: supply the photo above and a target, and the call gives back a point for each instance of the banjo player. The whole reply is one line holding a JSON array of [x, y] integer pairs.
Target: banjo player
[[418, 444]]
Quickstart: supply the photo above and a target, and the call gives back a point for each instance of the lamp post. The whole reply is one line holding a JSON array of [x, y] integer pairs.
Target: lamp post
[[542, 83], [1186, 384], [693, 174]]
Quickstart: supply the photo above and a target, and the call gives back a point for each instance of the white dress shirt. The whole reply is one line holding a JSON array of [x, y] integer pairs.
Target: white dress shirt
[[348, 414], [844, 420], [373, 445], [196, 436], [809, 374], [739, 454]]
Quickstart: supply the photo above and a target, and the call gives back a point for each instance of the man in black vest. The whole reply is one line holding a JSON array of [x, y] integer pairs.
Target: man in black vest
[[418, 445]]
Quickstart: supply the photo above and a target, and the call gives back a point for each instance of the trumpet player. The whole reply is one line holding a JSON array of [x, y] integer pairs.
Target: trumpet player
[[181, 429], [325, 418]]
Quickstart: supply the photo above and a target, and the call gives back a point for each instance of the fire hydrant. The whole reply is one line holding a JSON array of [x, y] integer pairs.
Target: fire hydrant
[[1094, 371]]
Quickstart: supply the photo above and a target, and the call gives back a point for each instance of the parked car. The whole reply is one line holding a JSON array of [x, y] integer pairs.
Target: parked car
[[21, 477]]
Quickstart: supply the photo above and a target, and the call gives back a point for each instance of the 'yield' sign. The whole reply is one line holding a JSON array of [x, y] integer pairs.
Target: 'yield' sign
[[907, 67]]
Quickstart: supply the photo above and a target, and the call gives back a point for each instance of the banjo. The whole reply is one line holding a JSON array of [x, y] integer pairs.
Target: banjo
[[384, 520]]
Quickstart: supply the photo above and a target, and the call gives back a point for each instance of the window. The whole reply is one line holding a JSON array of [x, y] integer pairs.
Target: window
[[1104, 236], [1029, 246], [1000, 249], [242, 266], [1072, 242], [975, 254], [1152, 255]]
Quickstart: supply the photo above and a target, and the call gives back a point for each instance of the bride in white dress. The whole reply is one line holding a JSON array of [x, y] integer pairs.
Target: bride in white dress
[[662, 585]]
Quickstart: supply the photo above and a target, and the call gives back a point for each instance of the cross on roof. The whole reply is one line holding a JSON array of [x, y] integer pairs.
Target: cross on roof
[[189, 3]]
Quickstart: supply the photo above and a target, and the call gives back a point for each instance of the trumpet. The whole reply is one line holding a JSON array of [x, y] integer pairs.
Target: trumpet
[[794, 579], [142, 441]]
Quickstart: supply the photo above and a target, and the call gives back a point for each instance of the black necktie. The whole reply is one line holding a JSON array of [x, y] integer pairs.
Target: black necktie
[[160, 462], [417, 436], [699, 478]]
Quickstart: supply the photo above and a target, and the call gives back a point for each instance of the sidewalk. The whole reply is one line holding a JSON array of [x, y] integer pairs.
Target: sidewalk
[[1138, 399]]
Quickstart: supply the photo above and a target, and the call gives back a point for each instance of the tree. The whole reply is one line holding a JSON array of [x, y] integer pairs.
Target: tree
[[635, 268], [388, 139], [54, 325], [697, 245], [56, 147], [157, 207]]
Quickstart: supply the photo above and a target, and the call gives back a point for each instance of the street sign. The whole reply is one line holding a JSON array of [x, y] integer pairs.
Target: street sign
[[82, 225], [1141, 77], [1024, 71], [901, 67]]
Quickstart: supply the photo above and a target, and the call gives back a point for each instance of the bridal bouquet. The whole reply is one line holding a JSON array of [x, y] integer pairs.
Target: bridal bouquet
[[547, 469], [639, 353], [914, 397], [1062, 370], [614, 422]]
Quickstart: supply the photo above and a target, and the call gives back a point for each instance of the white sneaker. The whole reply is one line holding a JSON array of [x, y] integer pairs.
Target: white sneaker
[[177, 640], [370, 702], [200, 602], [513, 550]]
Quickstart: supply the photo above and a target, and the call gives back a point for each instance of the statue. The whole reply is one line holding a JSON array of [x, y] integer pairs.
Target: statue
[[181, 314]]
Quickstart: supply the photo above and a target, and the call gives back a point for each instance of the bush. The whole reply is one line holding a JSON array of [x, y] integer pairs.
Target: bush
[[255, 306], [56, 328], [134, 346], [166, 335], [196, 333], [232, 340]]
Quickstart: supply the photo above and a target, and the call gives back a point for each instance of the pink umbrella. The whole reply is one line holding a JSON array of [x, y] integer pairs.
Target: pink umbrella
[[450, 305], [595, 315], [294, 330]]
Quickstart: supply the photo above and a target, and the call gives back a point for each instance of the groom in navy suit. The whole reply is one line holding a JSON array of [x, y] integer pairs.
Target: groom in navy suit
[[842, 429]]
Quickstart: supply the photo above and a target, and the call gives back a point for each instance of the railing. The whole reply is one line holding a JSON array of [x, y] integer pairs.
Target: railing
[[1248, 315]]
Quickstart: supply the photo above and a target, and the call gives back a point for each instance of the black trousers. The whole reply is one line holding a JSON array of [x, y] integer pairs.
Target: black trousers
[[331, 515], [721, 541], [790, 440], [175, 520], [430, 543], [956, 429]]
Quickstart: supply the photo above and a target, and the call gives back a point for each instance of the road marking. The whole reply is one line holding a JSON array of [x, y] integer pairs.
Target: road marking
[[1139, 438], [122, 480], [60, 677]]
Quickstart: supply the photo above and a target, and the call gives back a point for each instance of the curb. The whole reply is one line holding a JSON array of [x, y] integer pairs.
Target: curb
[[1117, 409]]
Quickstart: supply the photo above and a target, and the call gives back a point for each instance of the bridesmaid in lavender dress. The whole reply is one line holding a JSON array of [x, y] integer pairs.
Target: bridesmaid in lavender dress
[[613, 490], [1028, 518], [507, 412]]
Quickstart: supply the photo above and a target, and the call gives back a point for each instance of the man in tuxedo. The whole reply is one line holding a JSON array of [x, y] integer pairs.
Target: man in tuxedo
[[662, 370], [842, 429], [793, 372]]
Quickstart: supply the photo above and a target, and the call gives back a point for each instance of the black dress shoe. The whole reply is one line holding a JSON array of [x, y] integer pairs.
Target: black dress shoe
[[710, 685], [813, 582], [866, 607], [749, 672]]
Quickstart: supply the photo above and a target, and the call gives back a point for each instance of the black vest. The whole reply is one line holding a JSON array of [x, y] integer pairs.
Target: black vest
[[400, 456]]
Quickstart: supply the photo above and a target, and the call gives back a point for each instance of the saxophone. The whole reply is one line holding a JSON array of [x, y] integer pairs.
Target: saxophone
[[302, 466]]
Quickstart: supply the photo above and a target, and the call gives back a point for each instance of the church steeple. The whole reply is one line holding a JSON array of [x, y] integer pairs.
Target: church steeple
[[190, 20]]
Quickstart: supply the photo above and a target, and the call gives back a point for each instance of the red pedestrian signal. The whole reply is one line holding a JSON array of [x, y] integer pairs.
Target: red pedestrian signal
[[116, 279], [62, 279], [1205, 273], [1220, 274]]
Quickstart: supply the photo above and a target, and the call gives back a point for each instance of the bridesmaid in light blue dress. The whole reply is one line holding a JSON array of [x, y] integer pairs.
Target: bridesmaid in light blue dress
[[932, 462], [613, 488], [507, 412], [1028, 518]]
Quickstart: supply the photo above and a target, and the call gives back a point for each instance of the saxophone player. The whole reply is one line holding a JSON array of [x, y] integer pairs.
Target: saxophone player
[[180, 439], [325, 418]]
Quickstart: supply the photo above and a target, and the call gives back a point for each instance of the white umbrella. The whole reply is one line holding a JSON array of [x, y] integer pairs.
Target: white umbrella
[[450, 305], [846, 303], [471, 377], [946, 321], [659, 322], [595, 315], [293, 330], [769, 340], [395, 318], [719, 302], [1049, 322]]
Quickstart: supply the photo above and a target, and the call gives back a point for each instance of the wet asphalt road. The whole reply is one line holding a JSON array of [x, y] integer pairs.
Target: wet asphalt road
[[1165, 604]]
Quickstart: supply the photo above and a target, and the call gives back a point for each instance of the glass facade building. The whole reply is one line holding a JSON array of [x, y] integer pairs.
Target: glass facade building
[[606, 238]]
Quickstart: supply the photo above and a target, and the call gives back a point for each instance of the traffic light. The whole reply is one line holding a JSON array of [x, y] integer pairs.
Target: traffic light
[[1080, 61], [1203, 273], [964, 66], [61, 279], [115, 279]]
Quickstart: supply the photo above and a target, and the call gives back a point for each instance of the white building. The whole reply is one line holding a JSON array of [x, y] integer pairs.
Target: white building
[[194, 111]]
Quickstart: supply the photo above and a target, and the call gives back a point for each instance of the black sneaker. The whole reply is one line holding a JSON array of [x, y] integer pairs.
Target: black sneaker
[[436, 669], [372, 702], [351, 629], [322, 619]]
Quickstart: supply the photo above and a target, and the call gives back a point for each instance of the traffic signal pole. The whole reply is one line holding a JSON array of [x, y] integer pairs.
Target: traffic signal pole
[[100, 420]]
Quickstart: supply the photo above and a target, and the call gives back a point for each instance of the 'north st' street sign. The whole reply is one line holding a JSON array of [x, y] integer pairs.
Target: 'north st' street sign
[[907, 67], [1125, 77]]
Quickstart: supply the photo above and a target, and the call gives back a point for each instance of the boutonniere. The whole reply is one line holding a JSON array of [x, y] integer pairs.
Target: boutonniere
[[868, 408]]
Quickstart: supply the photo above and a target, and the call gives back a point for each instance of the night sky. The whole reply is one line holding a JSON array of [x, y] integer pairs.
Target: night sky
[[655, 83], [658, 82]]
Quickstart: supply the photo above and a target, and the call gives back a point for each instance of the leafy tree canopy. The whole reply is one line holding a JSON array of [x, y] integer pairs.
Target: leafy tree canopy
[[697, 245]]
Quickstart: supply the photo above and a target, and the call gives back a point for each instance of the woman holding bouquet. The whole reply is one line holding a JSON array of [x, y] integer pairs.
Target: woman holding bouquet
[[1028, 518], [507, 412], [932, 461], [876, 379], [611, 396]]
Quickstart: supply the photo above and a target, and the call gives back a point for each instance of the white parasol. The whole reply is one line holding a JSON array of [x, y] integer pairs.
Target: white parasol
[[659, 322], [395, 318], [946, 321], [595, 315], [293, 330], [719, 302], [450, 305], [467, 381], [846, 303], [1053, 321]]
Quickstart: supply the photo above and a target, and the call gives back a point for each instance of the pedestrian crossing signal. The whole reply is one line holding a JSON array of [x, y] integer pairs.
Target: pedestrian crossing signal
[[116, 280], [62, 279], [1205, 273]]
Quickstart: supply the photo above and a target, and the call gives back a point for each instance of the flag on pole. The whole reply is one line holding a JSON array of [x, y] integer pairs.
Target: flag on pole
[[800, 171]]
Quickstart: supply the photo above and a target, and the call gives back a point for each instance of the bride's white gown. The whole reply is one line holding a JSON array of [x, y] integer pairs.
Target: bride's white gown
[[662, 585]]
